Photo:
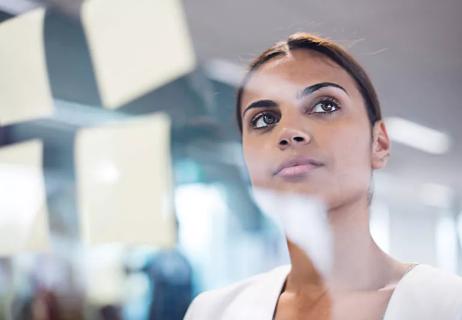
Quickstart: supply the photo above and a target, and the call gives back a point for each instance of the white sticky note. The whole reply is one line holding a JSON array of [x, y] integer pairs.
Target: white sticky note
[[23, 209], [136, 46], [124, 183], [24, 88]]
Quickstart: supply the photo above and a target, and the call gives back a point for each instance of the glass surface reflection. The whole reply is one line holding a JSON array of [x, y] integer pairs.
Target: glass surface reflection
[[196, 205]]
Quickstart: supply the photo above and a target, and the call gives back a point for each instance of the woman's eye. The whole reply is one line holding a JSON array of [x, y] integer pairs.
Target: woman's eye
[[264, 120], [325, 106]]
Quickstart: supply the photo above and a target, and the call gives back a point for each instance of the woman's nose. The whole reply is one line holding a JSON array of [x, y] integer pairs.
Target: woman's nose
[[293, 137]]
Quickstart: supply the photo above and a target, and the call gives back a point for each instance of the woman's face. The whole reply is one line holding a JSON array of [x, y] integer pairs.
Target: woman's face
[[306, 130]]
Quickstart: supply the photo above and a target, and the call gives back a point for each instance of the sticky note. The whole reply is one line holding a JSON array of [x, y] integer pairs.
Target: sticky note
[[23, 209], [136, 46], [104, 274], [24, 88], [124, 183]]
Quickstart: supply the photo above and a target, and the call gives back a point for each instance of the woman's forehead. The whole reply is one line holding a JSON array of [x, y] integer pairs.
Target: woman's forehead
[[282, 77]]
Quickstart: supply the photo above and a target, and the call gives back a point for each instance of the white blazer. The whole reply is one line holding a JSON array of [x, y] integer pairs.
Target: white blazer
[[424, 293]]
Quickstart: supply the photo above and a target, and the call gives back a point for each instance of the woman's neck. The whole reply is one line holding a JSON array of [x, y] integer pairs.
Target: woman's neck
[[357, 263]]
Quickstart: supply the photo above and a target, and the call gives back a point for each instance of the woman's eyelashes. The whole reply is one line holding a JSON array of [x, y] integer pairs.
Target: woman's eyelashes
[[264, 119], [324, 106]]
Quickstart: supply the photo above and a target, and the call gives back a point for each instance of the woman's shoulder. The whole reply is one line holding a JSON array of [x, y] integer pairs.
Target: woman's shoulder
[[248, 298], [427, 292], [433, 281]]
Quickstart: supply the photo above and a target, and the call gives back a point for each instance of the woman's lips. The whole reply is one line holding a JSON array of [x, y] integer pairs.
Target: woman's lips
[[296, 167]]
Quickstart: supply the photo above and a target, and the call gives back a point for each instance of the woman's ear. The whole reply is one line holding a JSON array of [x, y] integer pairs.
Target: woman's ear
[[380, 145]]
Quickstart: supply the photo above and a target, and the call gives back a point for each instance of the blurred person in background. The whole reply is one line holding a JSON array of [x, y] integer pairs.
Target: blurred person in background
[[311, 126], [50, 292], [171, 280], [170, 275]]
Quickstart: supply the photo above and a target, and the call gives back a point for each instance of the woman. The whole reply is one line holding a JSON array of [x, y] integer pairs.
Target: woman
[[311, 125]]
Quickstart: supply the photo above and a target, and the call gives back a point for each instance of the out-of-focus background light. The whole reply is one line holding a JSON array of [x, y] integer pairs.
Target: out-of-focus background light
[[417, 136]]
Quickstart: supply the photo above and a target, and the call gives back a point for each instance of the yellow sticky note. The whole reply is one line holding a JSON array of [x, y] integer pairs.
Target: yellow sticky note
[[136, 46], [124, 183], [24, 88], [23, 209]]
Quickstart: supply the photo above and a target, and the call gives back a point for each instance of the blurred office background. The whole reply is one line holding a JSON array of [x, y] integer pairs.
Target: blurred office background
[[140, 95]]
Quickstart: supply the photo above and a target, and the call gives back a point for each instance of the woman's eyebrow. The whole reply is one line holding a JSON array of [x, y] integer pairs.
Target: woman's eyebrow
[[309, 90], [260, 104]]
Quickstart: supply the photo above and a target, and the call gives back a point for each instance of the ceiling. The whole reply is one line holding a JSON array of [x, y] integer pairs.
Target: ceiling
[[412, 50]]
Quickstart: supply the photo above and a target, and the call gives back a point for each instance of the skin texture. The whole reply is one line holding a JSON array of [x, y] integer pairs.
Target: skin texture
[[335, 133]]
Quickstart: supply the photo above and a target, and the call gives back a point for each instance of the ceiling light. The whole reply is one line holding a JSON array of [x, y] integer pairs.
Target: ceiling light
[[417, 136]]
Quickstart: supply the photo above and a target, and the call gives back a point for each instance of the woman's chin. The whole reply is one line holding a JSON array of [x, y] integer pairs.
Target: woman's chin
[[296, 190]]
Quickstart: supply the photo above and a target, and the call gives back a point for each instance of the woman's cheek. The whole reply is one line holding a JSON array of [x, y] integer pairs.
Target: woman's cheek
[[349, 166], [354, 177]]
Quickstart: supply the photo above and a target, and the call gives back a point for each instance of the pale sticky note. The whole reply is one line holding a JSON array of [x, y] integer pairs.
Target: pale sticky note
[[124, 183], [104, 274], [24, 88], [136, 46], [23, 209]]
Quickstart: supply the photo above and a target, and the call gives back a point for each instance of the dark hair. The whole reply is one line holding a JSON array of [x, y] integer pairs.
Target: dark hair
[[327, 48]]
